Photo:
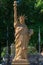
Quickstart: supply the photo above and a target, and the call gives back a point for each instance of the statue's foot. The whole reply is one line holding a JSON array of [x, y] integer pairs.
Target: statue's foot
[[17, 58]]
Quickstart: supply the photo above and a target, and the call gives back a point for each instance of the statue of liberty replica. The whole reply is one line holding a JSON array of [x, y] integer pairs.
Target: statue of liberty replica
[[22, 36]]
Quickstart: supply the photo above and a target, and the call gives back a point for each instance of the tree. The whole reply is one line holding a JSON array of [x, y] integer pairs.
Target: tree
[[33, 9]]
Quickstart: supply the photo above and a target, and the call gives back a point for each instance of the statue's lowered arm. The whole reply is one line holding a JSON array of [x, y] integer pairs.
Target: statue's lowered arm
[[30, 32]]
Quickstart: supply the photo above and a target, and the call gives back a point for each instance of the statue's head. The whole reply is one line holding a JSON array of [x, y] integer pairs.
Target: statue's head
[[22, 19]]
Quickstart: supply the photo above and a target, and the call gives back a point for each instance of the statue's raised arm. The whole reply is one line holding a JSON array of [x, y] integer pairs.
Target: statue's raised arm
[[15, 13]]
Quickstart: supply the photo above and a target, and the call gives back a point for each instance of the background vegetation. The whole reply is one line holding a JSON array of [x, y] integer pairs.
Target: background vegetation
[[33, 9]]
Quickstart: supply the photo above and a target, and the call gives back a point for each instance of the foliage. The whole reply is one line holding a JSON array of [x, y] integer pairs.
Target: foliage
[[3, 52], [32, 50], [33, 9]]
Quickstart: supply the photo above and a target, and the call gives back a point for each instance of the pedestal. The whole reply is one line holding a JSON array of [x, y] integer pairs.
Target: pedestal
[[20, 62]]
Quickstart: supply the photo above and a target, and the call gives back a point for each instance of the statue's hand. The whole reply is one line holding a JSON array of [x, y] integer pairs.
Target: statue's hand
[[15, 3], [31, 32]]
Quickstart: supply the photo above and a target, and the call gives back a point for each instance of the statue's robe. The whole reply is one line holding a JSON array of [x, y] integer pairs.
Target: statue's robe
[[21, 40]]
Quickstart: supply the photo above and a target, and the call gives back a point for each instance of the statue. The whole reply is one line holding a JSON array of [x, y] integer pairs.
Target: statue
[[22, 35]]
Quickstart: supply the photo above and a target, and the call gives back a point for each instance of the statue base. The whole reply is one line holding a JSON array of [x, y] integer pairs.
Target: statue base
[[21, 62]]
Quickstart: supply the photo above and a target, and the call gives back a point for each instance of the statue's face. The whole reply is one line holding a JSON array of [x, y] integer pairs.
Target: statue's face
[[22, 19]]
